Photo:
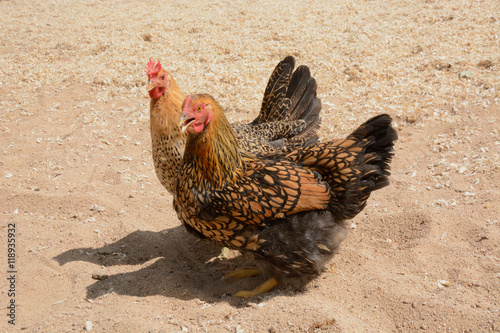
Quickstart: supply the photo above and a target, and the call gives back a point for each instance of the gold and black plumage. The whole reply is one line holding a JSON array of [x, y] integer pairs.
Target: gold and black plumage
[[289, 117], [288, 209]]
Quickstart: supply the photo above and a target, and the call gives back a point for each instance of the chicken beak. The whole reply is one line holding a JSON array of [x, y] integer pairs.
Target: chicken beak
[[185, 122], [152, 85]]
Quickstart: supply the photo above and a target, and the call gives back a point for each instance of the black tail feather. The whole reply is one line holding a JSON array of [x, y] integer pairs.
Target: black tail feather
[[272, 108], [289, 96], [307, 108], [377, 136]]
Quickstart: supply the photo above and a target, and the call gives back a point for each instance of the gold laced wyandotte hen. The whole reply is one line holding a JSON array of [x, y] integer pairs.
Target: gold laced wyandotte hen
[[288, 209], [289, 117]]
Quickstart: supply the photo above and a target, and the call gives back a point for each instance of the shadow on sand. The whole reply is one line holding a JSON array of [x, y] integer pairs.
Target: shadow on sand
[[173, 263]]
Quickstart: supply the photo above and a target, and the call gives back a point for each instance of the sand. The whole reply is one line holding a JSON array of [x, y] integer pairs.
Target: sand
[[98, 244]]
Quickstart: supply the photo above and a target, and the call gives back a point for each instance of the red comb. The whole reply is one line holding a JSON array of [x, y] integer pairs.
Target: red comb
[[187, 102], [152, 68]]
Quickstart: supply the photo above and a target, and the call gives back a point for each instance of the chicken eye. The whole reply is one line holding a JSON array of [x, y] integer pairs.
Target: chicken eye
[[199, 108], [163, 77]]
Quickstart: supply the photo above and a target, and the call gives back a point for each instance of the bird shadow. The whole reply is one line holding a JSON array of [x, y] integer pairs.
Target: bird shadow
[[173, 263]]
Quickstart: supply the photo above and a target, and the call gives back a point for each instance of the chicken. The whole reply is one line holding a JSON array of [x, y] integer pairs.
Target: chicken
[[287, 209], [289, 117]]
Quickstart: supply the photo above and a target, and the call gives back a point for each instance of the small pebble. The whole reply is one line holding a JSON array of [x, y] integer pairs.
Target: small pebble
[[485, 63], [465, 75], [252, 305], [88, 326], [97, 208], [100, 277], [444, 283]]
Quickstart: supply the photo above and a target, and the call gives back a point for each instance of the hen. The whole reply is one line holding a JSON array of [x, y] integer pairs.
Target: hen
[[288, 209], [289, 117]]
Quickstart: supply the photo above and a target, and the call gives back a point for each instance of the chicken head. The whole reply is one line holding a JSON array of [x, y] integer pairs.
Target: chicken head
[[159, 79], [196, 114]]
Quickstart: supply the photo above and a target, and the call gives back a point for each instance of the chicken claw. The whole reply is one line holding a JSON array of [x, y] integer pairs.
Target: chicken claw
[[242, 273], [263, 288]]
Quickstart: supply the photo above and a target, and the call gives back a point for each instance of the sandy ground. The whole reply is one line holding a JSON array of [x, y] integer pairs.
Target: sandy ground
[[98, 244]]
